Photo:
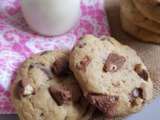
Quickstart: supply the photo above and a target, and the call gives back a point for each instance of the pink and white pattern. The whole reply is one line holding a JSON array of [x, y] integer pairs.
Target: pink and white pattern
[[17, 41]]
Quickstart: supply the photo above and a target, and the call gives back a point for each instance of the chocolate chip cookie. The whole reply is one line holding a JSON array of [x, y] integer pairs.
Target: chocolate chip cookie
[[129, 10], [150, 1], [138, 32], [112, 76], [45, 89], [152, 11]]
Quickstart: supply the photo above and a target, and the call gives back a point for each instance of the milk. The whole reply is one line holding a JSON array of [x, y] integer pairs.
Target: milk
[[51, 17]]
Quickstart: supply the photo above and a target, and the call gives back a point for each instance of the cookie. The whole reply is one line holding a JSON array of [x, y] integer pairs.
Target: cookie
[[45, 89], [130, 11], [152, 11], [150, 1], [138, 32], [112, 76]]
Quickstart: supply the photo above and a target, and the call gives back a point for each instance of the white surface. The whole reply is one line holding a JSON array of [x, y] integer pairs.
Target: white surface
[[150, 112], [51, 17]]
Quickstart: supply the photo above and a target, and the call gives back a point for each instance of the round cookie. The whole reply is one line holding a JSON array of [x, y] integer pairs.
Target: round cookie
[[113, 78], [152, 11], [129, 10], [45, 89], [138, 32]]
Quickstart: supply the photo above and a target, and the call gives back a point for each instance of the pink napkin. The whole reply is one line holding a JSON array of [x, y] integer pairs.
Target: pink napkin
[[17, 41]]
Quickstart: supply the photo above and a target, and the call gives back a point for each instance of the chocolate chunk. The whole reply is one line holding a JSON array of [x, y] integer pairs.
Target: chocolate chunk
[[60, 67], [105, 103], [76, 93], [86, 110], [60, 94], [23, 83], [97, 115], [136, 93], [24, 88], [84, 63], [114, 62], [141, 72]]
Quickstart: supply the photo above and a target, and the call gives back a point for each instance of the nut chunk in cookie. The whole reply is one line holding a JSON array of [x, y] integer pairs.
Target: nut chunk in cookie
[[112, 76]]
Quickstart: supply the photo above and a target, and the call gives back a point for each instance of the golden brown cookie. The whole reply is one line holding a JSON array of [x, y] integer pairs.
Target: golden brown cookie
[[150, 1], [112, 76], [45, 89], [152, 11], [129, 10], [138, 32]]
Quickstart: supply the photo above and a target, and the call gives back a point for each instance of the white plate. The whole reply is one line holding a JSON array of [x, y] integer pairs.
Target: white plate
[[150, 112]]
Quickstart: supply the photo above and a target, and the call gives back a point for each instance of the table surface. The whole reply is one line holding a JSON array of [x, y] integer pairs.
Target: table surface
[[8, 117], [117, 32]]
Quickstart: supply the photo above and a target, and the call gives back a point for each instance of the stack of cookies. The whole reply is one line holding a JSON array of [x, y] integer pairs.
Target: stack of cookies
[[100, 78], [141, 18]]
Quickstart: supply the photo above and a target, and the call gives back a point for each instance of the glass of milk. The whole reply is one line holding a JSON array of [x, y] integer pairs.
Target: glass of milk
[[51, 17]]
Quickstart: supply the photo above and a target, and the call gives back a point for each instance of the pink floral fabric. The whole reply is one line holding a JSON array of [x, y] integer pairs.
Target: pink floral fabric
[[17, 41]]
